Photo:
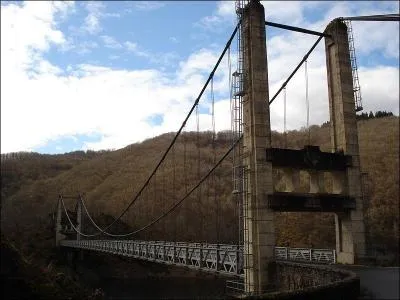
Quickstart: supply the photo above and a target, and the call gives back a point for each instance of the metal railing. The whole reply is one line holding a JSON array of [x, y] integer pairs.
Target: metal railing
[[235, 287], [193, 255], [324, 256], [197, 255]]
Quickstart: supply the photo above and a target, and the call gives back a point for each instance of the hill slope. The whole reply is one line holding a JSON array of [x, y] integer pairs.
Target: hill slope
[[110, 179]]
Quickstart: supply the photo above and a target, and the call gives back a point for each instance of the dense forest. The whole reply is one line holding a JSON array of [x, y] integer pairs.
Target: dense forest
[[109, 180]]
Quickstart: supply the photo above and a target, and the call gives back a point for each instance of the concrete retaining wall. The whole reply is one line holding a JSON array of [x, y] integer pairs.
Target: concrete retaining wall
[[306, 281]]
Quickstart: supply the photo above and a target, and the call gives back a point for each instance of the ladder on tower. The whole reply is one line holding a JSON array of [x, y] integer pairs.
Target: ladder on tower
[[239, 174], [354, 71], [237, 93]]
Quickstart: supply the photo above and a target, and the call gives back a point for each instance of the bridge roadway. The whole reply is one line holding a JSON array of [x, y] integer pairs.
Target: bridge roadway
[[201, 256], [376, 282]]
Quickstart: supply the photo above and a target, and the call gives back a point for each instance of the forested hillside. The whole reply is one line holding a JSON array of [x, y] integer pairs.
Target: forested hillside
[[32, 182]]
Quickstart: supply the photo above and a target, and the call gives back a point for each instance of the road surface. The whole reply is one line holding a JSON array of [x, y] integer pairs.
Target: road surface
[[377, 282]]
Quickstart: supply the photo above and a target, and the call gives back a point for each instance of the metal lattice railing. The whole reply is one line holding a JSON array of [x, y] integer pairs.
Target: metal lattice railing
[[325, 256], [197, 255], [193, 255]]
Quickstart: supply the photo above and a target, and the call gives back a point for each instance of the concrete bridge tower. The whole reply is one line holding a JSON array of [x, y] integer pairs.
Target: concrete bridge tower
[[260, 200], [259, 228], [58, 225], [350, 233]]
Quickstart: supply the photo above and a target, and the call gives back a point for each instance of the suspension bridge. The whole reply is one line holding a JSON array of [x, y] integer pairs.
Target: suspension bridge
[[245, 245]]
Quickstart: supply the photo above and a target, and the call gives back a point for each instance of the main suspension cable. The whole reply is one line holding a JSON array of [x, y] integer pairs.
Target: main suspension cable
[[165, 213], [72, 224], [190, 192], [179, 131], [296, 69]]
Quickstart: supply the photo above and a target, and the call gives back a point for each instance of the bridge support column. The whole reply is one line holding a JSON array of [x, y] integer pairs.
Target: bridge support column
[[291, 178], [259, 229], [58, 225], [350, 233], [317, 184]]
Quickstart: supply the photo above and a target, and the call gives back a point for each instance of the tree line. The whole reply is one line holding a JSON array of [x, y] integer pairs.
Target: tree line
[[371, 115]]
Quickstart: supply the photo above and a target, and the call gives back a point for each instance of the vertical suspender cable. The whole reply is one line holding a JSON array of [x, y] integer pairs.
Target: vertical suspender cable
[[214, 159], [154, 201], [173, 188], [164, 200], [307, 102], [146, 209], [184, 161], [198, 170], [186, 214], [141, 214], [284, 118], [177, 133]]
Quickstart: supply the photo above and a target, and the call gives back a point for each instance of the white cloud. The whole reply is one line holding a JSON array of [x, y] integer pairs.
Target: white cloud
[[110, 42], [288, 12], [96, 11], [385, 40], [148, 5], [92, 24], [287, 49], [91, 98], [226, 9], [380, 88], [201, 61], [174, 39], [92, 20], [162, 58], [223, 15], [40, 101], [134, 48]]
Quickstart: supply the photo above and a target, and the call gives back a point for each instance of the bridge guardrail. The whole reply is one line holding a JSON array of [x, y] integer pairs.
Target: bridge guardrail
[[220, 258], [324, 256]]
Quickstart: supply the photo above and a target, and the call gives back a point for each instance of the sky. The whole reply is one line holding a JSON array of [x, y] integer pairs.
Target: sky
[[103, 75]]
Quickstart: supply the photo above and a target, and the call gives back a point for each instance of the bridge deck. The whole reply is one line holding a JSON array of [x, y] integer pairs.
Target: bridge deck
[[201, 256], [193, 255]]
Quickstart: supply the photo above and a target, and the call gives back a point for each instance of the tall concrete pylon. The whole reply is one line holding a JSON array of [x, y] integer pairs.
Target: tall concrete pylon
[[58, 225], [350, 232], [259, 228], [79, 218]]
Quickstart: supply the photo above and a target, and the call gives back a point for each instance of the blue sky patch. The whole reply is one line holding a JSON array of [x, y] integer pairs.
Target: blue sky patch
[[68, 143], [155, 120]]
